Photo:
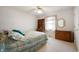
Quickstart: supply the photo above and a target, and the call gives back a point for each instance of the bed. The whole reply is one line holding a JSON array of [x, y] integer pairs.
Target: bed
[[32, 42]]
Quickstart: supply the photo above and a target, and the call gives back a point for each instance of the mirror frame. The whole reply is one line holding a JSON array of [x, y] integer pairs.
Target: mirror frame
[[61, 22]]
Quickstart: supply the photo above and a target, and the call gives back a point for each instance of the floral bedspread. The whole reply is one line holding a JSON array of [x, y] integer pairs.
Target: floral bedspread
[[31, 44]]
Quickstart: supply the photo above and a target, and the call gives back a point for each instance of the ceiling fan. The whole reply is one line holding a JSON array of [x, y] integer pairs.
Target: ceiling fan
[[39, 10]]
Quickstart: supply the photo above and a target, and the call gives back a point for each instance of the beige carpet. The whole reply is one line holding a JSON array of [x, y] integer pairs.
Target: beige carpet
[[54, 45]]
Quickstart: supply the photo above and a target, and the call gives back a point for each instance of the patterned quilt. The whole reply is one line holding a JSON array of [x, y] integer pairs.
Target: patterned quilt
[[30, 44]]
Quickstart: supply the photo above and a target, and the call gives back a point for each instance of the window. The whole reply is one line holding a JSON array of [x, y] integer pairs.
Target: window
[[50, 23]]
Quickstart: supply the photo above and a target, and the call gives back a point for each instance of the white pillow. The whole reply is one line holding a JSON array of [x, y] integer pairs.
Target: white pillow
[[16, 36]]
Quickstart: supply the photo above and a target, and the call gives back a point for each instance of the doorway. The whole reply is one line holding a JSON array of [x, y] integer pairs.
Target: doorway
[[50, 26]]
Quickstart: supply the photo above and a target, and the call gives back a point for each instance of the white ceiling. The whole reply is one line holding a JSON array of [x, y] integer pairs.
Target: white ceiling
[[47, 9]]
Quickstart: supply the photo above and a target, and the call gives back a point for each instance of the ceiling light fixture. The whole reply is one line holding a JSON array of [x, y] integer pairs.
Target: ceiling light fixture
[[38, 10]]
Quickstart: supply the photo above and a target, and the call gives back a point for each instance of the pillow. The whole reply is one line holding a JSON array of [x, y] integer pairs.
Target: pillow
[[16, 36], [18, 31]]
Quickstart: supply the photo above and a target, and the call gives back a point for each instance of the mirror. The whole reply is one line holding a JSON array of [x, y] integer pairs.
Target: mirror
[[61, 23]]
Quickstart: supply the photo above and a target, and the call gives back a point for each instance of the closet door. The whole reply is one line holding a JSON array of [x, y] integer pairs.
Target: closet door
[[41, 25]]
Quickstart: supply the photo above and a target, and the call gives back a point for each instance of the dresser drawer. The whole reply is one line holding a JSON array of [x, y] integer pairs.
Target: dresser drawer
[[64, 35]]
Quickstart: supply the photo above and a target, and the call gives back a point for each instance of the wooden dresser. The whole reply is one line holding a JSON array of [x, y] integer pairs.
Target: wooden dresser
[[64, 35]]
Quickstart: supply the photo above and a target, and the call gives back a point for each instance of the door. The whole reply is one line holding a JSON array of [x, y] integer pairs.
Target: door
[[41, 25]]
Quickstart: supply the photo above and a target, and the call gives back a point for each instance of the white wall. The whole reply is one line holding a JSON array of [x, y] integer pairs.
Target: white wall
[[16, 19], [68, 16], [76, 29]]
